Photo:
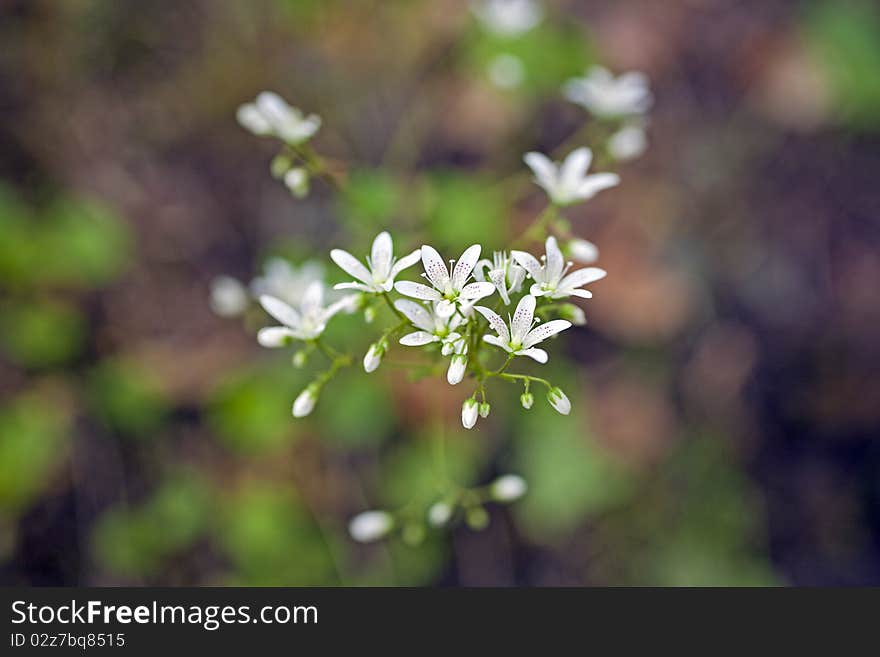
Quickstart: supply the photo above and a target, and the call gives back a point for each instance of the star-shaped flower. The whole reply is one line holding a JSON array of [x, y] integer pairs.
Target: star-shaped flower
[[607, 96], [271, 115], [568, 182], [552, 279], [503, 272], [433, 327], [448, 291], [381, 268], [305, 323], [520, 339]]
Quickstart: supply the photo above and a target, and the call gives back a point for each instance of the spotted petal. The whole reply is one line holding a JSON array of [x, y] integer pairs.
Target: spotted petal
[[381, 255], [351, 265], [475, 291], [416, 313], [530, 263], [538, 354], [522, 319], [435, 268], [543, 331], [498, 325], [418, 339], [417, 291], [465, 266]]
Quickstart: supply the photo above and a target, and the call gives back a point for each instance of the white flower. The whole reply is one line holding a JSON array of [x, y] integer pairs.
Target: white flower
[[504, 273], [288, 283], [628, 143], [506, 71], [439, 514], [508, 18], [568, 182], [457, 368], [433, 326], [447, 290], [271, 115], [469, 412], [582, 251], [508, 488], [297, 181], [373, 357], [383, 267], [305, 401], [305, 323], [559, 401], [370, 526], [228, 296], [551, 278], [521, 338], [606, 96]]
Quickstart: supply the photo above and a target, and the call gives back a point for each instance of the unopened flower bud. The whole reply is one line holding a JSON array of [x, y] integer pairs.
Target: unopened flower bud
[[484, 409], [228, 296], [305, 401], [583, 251], [370, 526], [477, 518], [373, 357], [573, 314], [280, 165], [469, 412], [439, 514], [457, 368], [527, 399], [559, 401], [369, 314], [413, 534], [297, 181], [447, 349], [508, 488], [300, 358]]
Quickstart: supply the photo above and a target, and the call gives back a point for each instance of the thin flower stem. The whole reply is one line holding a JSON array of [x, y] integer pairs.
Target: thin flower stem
[[328, 351], [538, 227], [393, 308], [521, 377]]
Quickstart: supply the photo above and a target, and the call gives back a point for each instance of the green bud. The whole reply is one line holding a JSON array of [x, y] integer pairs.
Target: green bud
[[484, 409], [477, 518], [280, 165], [413, 534], [369, 314], [300, 358], [527, 399]]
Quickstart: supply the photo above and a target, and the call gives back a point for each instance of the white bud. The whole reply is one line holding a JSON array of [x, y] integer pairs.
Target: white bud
[[373, 357], [583, 251], [300, 358], [574, 314], [508, 488], [527, 399], [559, 401], [251, 119], [369, 314], [484, 409], [457, 368], [305, 401], [297, 181], [628, 143], [370, 526], [469, 411], [228, 296], [439, 514]]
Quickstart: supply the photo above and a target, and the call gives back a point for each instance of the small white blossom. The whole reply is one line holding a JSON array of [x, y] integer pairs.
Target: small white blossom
[[568, 182], [504, 274], [506, 71], [288, 283], [373, 357], [433, 327], [457, 368], [297, 181], [559, 401], [628, 143], [520, 339], [552, 278], [228, 296], [607, 96], [382, 267], [305, 323], [305, 401], [582, 251], [469, 412], [271, 115], [508, 488], [439, 514], [370, 526], [509, 18], [450, 292]]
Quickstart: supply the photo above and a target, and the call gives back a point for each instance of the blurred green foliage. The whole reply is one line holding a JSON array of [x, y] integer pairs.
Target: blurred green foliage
[[41, 332], [461, 209], [128, 397]]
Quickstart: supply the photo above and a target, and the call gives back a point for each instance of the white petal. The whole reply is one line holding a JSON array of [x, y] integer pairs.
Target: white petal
[[522, 319], [280, 311], [347, 303], [594, 184], [275, 110], [498, 342], [274, 336], [498, 280], [416, 313], [465, 266], [543, 168], [537, 291], [528, 262], [351, 265], [405, 262], [575, 167], [538, 354], [444, 308], [381, 255], [543, 331], [417, 291], [313, 298], [250, 118], [582, 277], [418, 339], [583, 294], [353, 286], [435, 268], [555, 262], [475, 291], [498, 325]]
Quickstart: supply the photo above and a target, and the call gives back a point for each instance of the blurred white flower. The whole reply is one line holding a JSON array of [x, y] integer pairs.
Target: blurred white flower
[[504, 274], [439, 514], [433, 326], [271, 115], [383, 267], [509, 18], [469, 412], [568, 182], [288, 283], [228, 296], [628, 143], [457, 368], [508, 488], [447, 291], [506, 71], [520, 339], [305, 323], [559, 401], [305, 401], [607, 96], [582, 251], [551, 278], [370, 526], [297, 181]]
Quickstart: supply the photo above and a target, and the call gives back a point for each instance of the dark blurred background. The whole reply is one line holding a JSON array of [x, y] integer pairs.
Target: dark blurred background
[[727, 400]]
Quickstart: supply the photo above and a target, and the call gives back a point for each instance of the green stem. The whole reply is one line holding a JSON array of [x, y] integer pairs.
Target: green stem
[[393, 308]]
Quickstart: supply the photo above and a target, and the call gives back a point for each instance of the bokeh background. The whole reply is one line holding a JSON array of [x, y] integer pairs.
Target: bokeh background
[[726, 428]]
